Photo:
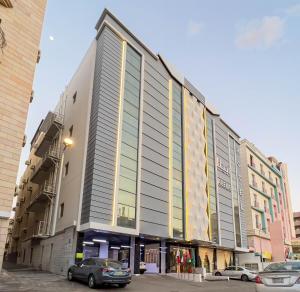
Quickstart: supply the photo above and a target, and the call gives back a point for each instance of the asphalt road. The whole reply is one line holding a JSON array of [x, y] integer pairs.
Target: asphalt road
[[28, 280]]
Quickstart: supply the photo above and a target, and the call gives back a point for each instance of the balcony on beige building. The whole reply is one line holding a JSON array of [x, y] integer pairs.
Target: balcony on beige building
[[47, 132], [44, 166], [45, 193], [40, 230]]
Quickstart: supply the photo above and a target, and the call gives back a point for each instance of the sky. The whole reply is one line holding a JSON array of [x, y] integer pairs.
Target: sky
[[243, 56]]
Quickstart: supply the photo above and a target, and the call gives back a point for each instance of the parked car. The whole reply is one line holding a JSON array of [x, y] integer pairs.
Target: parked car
[[237, 273], [143, 268], [97, 271], [283, 277]]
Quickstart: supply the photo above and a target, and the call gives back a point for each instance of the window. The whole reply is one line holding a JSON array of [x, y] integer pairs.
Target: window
[[66, 168], [74, 97], [71, 131], [257, 222], [262, 169], [252, 161], [230, 269], [61, 210], [255, 200], [253, 180], [130, 141], [265, 206], [268, 223], [263, 186]]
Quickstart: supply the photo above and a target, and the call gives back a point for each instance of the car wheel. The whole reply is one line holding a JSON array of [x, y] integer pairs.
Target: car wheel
[[70, 275], [244, 278], [92, 283], [122, 285], [218, 274]]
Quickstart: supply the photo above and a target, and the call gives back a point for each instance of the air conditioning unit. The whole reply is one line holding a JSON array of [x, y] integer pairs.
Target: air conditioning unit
[[29, 189], [25, 180], [24, 140], [32, 167], [38, 56], [31, 96], [27, 162]]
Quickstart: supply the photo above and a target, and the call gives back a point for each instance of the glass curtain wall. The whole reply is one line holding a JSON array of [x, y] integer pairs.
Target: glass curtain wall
[[177, 160], [130, 140], [235, 189], [212, 180]]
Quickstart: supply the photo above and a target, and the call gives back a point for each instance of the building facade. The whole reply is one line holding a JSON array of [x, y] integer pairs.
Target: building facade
[[20, 30], [296, 219], [152, 169], [268, 207]]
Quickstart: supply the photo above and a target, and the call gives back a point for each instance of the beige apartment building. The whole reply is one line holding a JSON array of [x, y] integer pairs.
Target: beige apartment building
[[270, 227], [20, 31]]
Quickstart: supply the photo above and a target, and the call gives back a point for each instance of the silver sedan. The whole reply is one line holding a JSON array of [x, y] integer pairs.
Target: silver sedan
[[237, 273], [281, 277]]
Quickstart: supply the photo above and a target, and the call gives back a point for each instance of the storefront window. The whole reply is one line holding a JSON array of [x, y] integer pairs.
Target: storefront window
[[182, 259]]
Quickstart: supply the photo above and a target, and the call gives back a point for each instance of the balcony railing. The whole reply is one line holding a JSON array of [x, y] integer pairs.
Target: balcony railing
[[50, 127], [43, 166], [40, 230], [44, 194]]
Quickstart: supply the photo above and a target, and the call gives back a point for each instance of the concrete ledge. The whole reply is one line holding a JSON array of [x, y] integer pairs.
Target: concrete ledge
[[186, 276], [216, 278]]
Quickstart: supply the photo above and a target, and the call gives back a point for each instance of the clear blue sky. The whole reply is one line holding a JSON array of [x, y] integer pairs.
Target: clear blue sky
[[242, 55]]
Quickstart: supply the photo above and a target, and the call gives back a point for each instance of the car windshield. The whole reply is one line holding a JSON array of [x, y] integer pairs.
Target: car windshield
[[288, 266], [109, 263]]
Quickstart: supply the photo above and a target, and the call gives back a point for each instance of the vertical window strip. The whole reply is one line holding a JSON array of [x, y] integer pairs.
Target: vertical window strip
[[176, 104], [126, 216]]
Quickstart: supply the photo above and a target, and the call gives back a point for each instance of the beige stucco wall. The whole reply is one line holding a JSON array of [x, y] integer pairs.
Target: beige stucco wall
[[197, 223], [76, 114], [22, 26]]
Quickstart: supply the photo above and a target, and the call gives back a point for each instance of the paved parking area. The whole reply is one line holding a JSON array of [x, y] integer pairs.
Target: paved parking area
[[27, 280]]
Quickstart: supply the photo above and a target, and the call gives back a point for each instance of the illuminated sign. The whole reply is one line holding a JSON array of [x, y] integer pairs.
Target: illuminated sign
[[222, 167]]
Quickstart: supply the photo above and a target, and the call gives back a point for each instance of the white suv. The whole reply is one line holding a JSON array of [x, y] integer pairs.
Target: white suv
[[237, 273]]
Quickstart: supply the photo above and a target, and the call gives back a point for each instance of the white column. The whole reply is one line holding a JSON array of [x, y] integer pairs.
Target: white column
[[132, 250], [163, 253]]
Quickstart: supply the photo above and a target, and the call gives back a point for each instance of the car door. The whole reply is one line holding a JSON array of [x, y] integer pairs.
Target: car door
[[239, 272], [83, 270], [229, 272], [75, 270]]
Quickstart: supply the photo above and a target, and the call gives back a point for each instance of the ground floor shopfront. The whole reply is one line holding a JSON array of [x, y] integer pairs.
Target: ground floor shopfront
[[57, 253], [159, 255]]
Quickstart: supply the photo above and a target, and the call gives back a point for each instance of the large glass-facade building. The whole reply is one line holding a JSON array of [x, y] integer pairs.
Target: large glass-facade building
[[153, 169]]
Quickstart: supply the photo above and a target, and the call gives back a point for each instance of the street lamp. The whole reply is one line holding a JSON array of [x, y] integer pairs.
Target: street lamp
[[68, 142]]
